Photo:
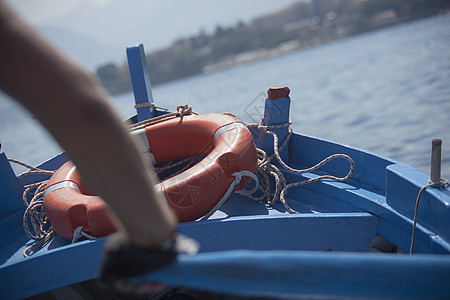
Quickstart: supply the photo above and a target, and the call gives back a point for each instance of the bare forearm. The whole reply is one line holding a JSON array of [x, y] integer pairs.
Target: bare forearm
[[72, 106]]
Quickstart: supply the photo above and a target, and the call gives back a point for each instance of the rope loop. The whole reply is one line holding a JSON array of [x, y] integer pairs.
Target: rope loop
[[237, 179], [442, 183], [266, 168], [79, 233]]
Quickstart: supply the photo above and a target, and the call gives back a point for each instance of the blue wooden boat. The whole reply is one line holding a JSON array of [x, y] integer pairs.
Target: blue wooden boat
[[350, 238]]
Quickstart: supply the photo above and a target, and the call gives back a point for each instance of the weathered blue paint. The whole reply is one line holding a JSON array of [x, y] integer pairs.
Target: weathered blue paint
[[276, 112], [336, 216], [403, 184], [47, 270], [74, 262], [274, 273], [370, 168], [11, 189], [309, 231], [285, 255], [140, 79], [312, 274]]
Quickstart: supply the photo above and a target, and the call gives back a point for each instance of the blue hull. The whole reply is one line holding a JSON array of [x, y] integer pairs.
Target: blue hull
[[338, 221], [251, 248]]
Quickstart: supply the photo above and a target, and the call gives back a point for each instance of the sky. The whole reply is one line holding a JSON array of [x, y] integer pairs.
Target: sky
[[96, 32], [37, 11]]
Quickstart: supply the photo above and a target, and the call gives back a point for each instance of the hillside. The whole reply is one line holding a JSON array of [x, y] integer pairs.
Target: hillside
[[301, 25]]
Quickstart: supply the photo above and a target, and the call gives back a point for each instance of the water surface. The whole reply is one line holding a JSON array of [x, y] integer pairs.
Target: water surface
[[386, 91]]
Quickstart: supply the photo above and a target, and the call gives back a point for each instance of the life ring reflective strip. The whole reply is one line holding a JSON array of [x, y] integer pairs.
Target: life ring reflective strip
[[61, 185], [224, 141]]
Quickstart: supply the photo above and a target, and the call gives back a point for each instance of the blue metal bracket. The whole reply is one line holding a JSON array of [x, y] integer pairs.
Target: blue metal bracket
[[140, 80]]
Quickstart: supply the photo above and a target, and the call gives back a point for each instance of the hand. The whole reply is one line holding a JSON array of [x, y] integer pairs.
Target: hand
[[124, 260]]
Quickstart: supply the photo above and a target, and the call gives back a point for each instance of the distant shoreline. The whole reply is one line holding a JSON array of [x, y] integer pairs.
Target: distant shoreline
[[265, 37]]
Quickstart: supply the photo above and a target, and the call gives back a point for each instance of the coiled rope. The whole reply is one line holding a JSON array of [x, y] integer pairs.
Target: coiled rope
[[266, 168], [40, 230], [35, 221], [43, 231]]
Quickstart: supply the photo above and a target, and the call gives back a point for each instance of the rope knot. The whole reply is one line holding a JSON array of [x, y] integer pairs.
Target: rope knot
[[183, 110], [35, 221], [79, 233]]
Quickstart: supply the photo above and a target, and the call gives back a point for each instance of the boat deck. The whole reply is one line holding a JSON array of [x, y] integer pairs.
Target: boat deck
[[335, 217]]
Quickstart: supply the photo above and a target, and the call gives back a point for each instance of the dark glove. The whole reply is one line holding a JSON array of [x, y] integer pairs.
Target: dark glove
[[123, 260]]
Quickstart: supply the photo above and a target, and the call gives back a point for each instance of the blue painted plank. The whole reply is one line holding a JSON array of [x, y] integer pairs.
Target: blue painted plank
[[78, 262], [311, 274], [11, 189], [140, 80], [47, 271], [403, 185], [241, 272], [393, 225], [334, 232], [370, 168], [276, 112]]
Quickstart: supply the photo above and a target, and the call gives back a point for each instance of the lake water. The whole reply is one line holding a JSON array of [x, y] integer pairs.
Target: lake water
[[386, 91]]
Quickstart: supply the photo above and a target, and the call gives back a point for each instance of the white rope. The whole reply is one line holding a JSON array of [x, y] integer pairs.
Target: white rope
[[266, 168], [38, 244], [35, 213], [238, 177], [35, 221], [183, 110], [443, 182], [79, 233], [42, 231]]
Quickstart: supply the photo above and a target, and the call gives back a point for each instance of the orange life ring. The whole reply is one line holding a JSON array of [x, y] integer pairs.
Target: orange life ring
[[224, 141]]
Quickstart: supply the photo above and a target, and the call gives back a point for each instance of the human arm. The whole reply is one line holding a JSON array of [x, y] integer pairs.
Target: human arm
[[75, 109]]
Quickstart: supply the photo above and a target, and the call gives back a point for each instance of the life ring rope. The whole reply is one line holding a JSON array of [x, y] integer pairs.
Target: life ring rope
[[79, 233], [182, 110], [237, 179]]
